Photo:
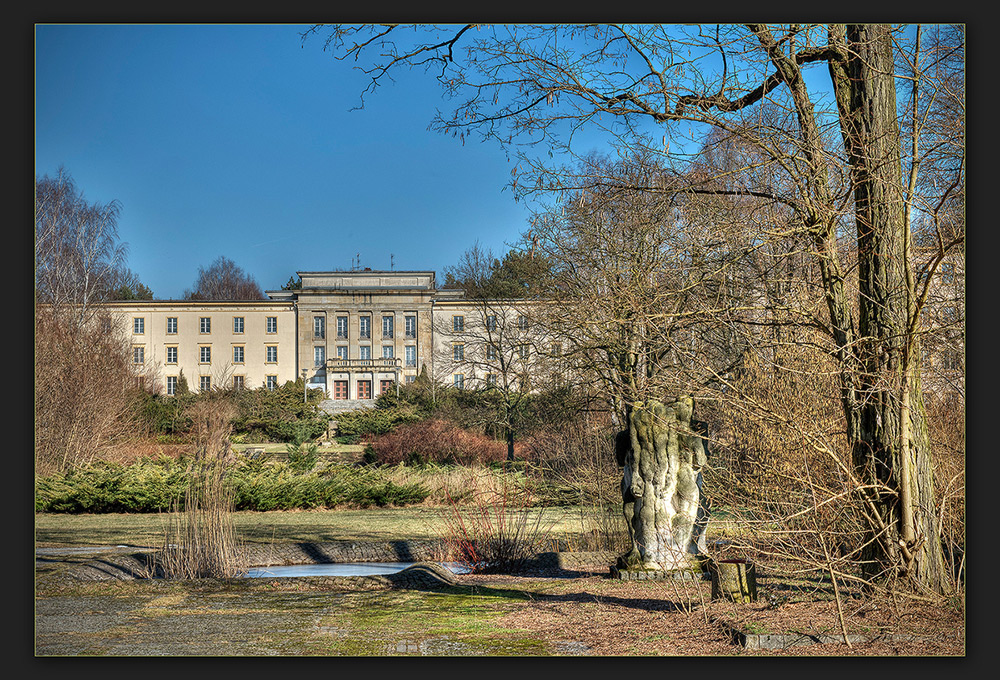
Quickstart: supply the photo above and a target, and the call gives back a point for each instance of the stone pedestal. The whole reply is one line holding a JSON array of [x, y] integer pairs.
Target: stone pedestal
[[734, 580], [626, 574]]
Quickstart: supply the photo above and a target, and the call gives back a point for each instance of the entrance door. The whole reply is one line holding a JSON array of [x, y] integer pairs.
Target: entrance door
[[386, 386], [340, 389], [364, 389]]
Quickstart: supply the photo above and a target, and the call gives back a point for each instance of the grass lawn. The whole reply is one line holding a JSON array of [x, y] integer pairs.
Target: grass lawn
[[380, 524]]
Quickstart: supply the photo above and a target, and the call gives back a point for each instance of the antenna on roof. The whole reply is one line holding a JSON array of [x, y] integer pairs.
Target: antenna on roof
[[392, 261]]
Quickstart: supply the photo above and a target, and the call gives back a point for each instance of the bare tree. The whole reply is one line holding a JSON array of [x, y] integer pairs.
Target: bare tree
[[84, 369], [499, 347], [224, 280], [78, 257], [841, 170]]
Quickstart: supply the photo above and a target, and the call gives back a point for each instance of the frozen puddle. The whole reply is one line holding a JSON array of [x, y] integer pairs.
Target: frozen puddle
[[341, 569]]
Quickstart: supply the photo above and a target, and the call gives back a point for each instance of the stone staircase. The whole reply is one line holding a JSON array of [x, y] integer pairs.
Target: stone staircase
[[335, 406]]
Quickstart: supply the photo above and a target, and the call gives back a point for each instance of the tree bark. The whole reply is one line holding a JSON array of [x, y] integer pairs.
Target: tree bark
[[891, 447]]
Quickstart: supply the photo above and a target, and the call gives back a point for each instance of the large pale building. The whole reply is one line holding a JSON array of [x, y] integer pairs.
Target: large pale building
[[354, 334]]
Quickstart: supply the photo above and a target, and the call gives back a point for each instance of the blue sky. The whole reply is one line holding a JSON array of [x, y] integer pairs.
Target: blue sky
[[238, 141]]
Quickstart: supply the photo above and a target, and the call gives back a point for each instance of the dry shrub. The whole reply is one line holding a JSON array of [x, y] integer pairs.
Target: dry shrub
[[447, 484], [436, 441], [946, 425], [784, 473], [83, 390], [201, 542], [496, 532], [577, 460]]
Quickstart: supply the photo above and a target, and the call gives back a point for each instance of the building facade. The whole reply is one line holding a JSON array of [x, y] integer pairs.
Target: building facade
[[353, 334], [209, 344]]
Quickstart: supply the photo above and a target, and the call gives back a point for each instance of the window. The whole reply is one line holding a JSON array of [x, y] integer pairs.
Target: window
[[491, 322], [138, 355], [205, 324], [387, 326], [342, 352], [319, 326], [491, 352], [522, 351], [271, 354], [105, 324], [319, 355], [237, 324], [388, 352], [340, 389], [342, 328], [491, 379], [237, 354], [364, 389], [410, 325], [271, 324], [458, 351], [386, 386], [205, 383], [365, 352], [410, 378], [458, 323], [271, 382], [522, 322], [239, 382], [366, 327], [171, 325], [171, 385], [138, 325], [171, 355], [459, 380], [410, 353], [205, 356], [556, 349]]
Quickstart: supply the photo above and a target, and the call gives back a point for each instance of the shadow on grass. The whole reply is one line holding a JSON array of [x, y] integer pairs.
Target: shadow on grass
[[646, 604]]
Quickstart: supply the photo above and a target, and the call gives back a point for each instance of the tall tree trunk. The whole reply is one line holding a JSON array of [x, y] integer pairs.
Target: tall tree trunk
[[891, 447]]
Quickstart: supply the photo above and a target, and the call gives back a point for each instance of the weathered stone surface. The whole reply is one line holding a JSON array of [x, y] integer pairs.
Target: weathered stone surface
[[734, 580], [661, 458]]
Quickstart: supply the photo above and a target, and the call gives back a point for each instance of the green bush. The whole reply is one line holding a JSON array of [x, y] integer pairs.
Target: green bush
[[278, 486], [258, 484], [145, 486], [373, 421]]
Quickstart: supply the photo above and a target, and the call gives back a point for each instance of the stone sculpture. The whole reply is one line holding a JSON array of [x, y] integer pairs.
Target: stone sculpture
[[661, 455]]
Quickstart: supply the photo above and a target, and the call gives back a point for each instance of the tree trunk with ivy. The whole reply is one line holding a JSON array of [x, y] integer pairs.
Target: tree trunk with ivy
[[661, 487]]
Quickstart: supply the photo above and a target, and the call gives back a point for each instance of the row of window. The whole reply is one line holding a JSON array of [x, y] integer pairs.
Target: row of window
[[458, 380], [365, 327], [458, 351], [205, 325], [458, 323], [365, 352], [271, 354], [205, 383], [205, 354]]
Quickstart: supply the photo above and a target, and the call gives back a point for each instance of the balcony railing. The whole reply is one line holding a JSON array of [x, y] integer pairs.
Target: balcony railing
[[337, 364]]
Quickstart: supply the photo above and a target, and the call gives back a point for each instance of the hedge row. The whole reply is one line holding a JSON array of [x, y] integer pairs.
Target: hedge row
[[157, 485]]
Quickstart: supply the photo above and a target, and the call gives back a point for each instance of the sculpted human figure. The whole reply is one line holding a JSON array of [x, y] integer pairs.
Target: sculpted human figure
[[661, 458]]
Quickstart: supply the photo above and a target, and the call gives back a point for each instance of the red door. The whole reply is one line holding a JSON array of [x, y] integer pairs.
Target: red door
[[340, 389], [386, 386], [364, 389]]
